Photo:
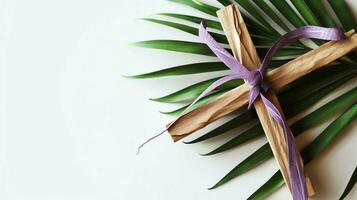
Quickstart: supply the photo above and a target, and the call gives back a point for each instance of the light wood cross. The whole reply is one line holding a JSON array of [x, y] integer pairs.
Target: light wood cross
[[243, 49]]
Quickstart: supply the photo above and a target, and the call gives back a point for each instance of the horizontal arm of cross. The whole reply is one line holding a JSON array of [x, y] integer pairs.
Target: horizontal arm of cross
[[278, 78]]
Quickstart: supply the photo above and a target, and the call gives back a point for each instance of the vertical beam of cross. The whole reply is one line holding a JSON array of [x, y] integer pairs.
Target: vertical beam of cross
[[243, 49]]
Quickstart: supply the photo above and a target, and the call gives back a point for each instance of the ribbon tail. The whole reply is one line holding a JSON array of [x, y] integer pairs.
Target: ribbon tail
[[254, 93], [297, 176], [210, 88], [221, 53]]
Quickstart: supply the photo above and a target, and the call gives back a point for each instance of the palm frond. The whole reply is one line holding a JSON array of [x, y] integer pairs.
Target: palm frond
[[302, 124], [305, 12], [193, 91], [199, 5], [198, 104], [177, 46], [288, 13], [318, 8], [257, 39], [294, 98], [344, 14], [316, 147], [270, 12], [257, 16], [184, 70], [350, 184], [242, 119], [188, 29], [197, 20], [264, 152]]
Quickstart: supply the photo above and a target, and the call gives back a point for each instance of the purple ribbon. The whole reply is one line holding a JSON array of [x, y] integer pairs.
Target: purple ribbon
[[259, 87]]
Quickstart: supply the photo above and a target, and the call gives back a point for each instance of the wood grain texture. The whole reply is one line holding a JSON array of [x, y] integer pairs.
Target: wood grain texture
[[245, 51]]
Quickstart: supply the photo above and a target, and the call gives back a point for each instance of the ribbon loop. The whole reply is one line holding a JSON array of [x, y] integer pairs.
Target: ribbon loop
[[256, 79], [312, 32], [259, 86]]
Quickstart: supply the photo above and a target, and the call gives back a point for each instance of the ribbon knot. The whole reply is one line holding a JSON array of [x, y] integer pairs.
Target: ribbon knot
[[259, 85]]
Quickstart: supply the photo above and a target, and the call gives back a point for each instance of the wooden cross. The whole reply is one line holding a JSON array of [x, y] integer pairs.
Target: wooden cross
[[243, 49]]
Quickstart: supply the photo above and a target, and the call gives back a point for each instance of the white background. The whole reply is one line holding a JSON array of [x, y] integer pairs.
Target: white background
[[70, 124]]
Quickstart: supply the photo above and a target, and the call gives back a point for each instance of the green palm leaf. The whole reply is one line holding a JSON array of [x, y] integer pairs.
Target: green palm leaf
[[202, 49], [329, 134], [184, 70], [258, 40], [188, 29], [242, 119], [305, 12], [198, 104], [320, 11], [330, 73], [254, 27], [273, 184], [288, 12], [313, 82], [253, 12], [225, 2], [199, 5], [197, 20], [270, 12], [264, 152], [195, 90], [286, 51], [304, 103], [344, 14], [299, 126], [350, 184], [177, 46], [310, 151]]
